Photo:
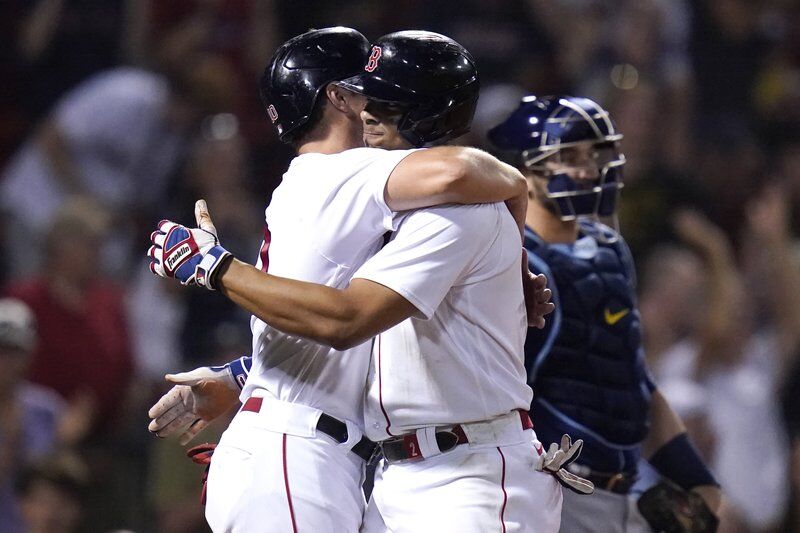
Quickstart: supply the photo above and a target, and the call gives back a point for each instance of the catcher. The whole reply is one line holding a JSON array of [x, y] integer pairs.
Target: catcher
[[587, 364]]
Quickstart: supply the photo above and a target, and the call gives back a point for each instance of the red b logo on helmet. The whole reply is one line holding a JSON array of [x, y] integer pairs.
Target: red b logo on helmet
[[372, 64], [272, 112]]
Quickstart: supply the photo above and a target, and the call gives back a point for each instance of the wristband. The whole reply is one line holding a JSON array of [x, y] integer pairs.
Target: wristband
[[240, 369], [679, 461], [206, 270]]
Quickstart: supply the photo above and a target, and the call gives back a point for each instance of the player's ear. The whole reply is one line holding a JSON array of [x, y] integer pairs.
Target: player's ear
[[344, 100], [336, 96]]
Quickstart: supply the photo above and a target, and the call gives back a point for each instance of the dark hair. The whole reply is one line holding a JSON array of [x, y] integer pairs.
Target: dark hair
[[306, 131]]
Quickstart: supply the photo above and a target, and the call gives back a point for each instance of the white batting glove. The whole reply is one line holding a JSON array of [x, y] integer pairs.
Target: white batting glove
[[198, 397], [555, 460]]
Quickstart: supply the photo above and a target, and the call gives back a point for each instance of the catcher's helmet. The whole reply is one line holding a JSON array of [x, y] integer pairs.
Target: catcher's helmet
[[302, 67], [540, 128], [433, 77]]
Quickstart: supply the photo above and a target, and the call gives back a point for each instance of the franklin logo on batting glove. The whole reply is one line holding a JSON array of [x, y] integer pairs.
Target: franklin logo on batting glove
[[191, 256], [174, 257]]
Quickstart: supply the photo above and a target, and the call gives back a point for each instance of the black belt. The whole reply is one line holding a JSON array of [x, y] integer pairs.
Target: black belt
[[335, 429]]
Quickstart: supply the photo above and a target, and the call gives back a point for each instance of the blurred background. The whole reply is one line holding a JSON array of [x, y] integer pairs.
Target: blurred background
[[118, 113]]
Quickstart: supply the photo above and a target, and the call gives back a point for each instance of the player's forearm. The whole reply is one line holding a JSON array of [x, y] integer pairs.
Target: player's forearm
[[671, 453], [665, 425], [308, 310], [337, 318], [452, 175], [485, 178]]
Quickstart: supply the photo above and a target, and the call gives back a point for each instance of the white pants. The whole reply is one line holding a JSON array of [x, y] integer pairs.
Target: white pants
[[264, 480], [604, 511], [466, 490]]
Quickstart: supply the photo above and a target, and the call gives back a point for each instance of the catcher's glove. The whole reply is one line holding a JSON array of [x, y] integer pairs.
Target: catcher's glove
[[669, 509]]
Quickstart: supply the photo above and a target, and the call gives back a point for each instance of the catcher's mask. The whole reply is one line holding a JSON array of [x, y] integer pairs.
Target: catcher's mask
[[574, 145]]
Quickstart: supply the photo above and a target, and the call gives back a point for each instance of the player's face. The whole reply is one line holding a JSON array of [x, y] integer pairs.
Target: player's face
[[380, 125], [581, 163], [537, 191]]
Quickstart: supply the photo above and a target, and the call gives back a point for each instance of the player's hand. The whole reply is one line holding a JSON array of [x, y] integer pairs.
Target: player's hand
[[537, 295], [198, 397], [191, 256], [557, 458]]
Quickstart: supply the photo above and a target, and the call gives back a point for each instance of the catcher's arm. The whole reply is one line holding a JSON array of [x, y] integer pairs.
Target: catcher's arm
[[669, 450]]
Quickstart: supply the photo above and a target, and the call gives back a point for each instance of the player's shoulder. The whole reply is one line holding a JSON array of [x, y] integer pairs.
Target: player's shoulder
[[348, 163]]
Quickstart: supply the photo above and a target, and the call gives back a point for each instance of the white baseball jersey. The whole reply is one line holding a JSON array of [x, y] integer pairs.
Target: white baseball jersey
[[462, 358], [327, 217]]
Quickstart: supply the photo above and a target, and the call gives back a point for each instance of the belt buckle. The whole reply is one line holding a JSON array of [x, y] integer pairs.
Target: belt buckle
[[398, 441], [613, 480], [450, 442]]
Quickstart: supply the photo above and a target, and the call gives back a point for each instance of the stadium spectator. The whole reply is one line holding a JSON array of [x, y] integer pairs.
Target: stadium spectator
[[29, 414]]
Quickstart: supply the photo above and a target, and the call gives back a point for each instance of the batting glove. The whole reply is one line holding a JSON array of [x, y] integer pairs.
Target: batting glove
[[556, 460], [198, 398], [191, 256]]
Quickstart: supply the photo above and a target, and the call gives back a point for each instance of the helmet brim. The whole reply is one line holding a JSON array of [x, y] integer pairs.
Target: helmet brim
[[376, 88]]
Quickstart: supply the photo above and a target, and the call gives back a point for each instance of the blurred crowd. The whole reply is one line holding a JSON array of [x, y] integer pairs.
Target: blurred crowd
[[118, 113]]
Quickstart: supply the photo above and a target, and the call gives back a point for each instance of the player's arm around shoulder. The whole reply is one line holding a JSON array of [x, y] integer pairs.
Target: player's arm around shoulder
[[452, 174], [408, 277]]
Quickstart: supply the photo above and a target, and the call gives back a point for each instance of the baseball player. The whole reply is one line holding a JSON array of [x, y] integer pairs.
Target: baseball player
[[448, 266], [301, 420], [587, 365]]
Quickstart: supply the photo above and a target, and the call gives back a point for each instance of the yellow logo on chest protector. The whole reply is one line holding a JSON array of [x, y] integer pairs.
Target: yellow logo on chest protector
[[613, 318]]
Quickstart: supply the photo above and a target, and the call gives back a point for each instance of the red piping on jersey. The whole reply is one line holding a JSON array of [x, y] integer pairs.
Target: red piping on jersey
[[264, 252], [505, 495], [380, 390], [286, 483]]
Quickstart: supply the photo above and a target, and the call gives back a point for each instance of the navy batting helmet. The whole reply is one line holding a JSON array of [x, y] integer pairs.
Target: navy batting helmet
[[537, 132], [300, 70], [431, 76]]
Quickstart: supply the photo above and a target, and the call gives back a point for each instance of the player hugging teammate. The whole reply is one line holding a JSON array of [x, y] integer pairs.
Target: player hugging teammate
[[440, 306]]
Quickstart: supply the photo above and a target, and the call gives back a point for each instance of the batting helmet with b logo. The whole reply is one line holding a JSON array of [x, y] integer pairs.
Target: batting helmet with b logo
[[433, 77]]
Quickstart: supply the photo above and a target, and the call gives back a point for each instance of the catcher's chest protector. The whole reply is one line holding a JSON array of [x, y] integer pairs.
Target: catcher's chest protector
[[594, 372]]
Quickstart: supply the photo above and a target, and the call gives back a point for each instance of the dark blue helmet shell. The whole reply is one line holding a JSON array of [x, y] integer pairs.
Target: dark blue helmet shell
[[540, 127]]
